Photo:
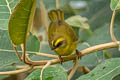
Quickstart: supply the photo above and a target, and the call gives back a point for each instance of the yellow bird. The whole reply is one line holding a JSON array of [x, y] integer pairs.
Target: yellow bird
[[62, 38]]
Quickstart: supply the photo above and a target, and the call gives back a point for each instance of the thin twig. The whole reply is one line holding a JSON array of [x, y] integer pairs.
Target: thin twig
[[21, 66], [99, 47], [83, 52], [25, 57], [23, 52], [112, 26], [17, 53], [44, 15], [71, 57], [48, 63], [34, 67], [84, 69], [73, 69], [16, 71], [26, 66], [31, 52], [57, 4], [46, 55]]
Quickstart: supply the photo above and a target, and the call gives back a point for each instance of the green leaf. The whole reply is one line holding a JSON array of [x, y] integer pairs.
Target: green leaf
[[21, 20], [6, 7], [3, 76], [85, 34], [35, 75], [6, 68], [54, 73], [96, 11], [33, 44], [78, 21], [7, 57], [106, 54], [115, 4], [117, 77], [100, 36], [44, 48], [105, 71]]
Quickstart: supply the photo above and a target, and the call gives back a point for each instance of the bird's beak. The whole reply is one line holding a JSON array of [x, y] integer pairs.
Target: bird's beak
[[53, 47]]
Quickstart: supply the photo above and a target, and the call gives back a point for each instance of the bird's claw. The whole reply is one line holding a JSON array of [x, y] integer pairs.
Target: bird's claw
[[79, 54], [61, 59]]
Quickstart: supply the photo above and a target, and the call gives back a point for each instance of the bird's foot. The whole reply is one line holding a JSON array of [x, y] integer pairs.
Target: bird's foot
[[61, 59], [79, 54]]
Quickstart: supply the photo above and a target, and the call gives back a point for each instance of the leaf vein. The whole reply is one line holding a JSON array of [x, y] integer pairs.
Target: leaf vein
[[8, 6], [108, 72], [11, 1]]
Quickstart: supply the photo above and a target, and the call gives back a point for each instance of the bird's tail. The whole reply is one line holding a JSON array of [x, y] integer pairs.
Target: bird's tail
[[56, 15]]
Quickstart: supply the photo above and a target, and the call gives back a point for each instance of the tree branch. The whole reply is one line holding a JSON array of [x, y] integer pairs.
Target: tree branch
[[68, 58], [31, 52], [16, 71], [73, 69], [112, 26], [44, 54], [83, 52]]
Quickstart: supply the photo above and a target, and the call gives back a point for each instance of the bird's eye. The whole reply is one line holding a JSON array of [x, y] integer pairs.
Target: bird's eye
[[59, 44]]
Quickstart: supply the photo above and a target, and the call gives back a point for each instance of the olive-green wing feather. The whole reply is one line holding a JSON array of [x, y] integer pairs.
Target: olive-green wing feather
[[56, 15]]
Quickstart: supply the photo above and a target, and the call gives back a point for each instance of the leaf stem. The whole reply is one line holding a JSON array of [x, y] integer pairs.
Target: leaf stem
[[8, 6], [23, 47], [17, 53], [112, 25]]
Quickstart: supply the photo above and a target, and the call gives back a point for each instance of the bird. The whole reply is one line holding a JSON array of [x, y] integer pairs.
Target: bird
[[61, 37]]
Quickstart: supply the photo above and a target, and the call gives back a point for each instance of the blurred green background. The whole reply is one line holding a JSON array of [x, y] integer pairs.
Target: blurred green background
[[89, 18]]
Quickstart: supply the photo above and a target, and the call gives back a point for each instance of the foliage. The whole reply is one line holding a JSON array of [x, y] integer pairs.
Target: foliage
[[6, 6], [91, 23], [23, 21], [105, 71], [115, 4], [35, 75], [54, 73]]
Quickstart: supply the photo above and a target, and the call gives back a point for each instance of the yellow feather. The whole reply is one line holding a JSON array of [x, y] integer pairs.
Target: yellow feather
[[59, 32], [58, 40], [52, 43]]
